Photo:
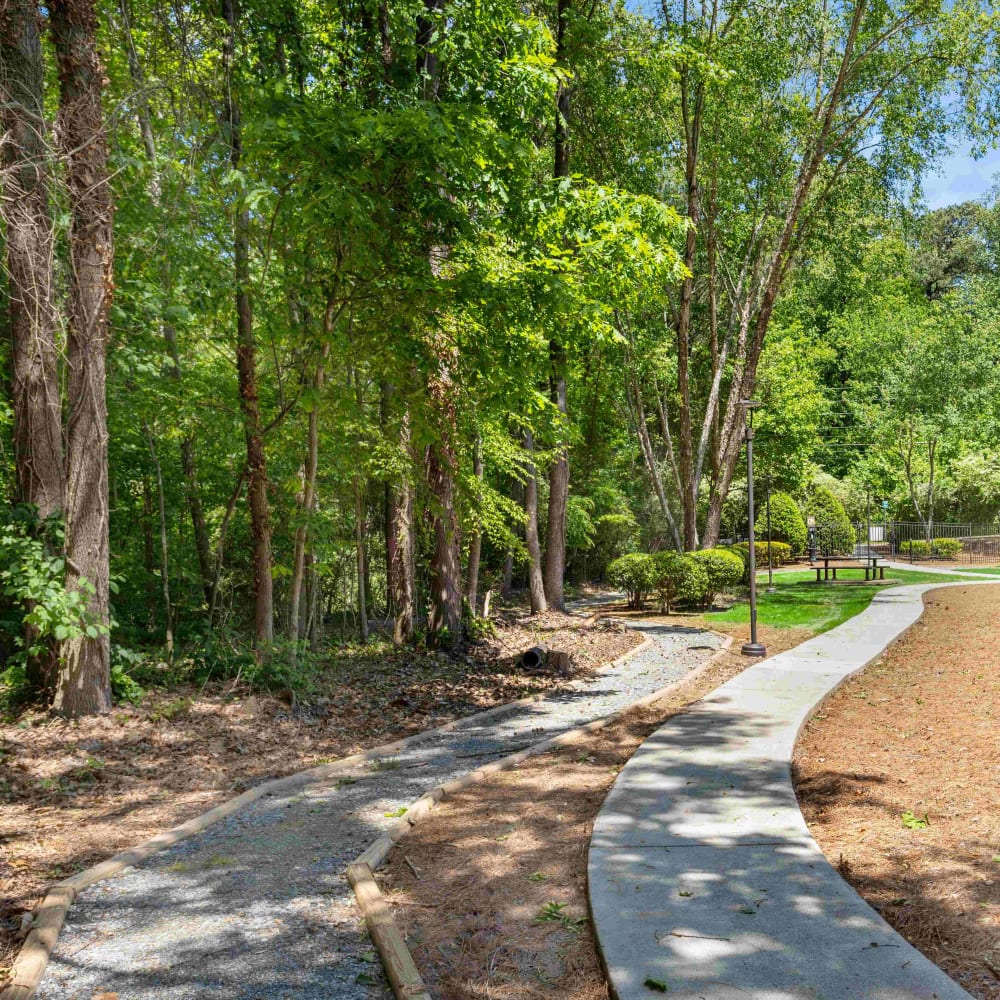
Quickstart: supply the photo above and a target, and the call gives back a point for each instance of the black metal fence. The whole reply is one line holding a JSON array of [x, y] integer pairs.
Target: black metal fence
[[914, 541]]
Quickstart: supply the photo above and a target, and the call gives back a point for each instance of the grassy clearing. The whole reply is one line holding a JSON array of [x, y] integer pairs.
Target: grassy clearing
[[799, 602], [983, 570]]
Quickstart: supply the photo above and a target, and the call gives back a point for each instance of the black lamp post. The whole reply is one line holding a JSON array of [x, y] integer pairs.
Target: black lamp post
[[753, 647]]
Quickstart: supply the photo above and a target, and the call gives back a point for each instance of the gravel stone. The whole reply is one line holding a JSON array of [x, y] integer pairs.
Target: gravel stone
[[257, 906]]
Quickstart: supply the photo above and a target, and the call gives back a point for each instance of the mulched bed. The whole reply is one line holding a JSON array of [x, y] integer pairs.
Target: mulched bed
[[73, 794], [898, 778], [499, 910]]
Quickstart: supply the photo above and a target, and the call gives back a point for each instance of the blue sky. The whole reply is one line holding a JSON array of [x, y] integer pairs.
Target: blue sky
[[961, 178]]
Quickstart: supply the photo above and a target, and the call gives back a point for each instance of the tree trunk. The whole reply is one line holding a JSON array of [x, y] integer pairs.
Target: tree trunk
[[148, 560], [362, 558], [38, 443], [506, 586], [246, 365], [400, 556], [444, 621], [83, 686], [476, 541], [220, 545], [555, 535], [445, 617], [308, 504], [164, 548], [536, 585]]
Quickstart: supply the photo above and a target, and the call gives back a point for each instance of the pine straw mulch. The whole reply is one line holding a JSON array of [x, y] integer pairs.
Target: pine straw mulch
[[495, 859], [72, 794], [918, 733]]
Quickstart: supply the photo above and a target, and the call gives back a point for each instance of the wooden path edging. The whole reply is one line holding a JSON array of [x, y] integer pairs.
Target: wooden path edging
[[397, 960], [33, 958]]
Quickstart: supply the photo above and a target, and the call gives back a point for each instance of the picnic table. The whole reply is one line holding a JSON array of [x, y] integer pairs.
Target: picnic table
[[831, 564]]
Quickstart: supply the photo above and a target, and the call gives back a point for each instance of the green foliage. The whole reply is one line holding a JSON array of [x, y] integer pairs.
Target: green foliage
[[694, 585], [781, 555], [124, 663], [914, 822], [32, 588], [635, 574], [915, 548], [787, 524], [614, 536], [834, 531], [670, 570], [946, 548], [723, 570]]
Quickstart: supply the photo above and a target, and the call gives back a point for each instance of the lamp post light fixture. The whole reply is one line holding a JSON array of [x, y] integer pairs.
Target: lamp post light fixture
[[753, 647]]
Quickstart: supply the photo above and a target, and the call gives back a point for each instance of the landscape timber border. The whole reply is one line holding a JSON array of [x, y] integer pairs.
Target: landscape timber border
[[397, 960], [29, 966]]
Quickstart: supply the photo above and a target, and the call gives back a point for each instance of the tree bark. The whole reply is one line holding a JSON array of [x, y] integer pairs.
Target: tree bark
[[246, 365], [168, 617], [555, 534], [38, 443], [476, 540], [536, 583], [308, 504], [402, 572], [445, 619], [83, 686], [148, 560], [361, 557]]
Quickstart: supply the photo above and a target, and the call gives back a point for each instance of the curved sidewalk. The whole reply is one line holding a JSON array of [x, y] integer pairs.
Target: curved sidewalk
[[703, 877]]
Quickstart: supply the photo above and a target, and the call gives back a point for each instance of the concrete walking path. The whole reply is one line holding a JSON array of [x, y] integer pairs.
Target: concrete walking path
[[703, 876], [257, 906]]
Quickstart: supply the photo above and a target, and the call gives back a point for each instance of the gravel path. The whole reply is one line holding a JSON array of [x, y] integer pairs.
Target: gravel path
[[258, 907]]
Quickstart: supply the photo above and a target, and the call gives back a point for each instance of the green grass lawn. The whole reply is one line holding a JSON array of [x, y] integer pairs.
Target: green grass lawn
[[985, 570], [799, 602]]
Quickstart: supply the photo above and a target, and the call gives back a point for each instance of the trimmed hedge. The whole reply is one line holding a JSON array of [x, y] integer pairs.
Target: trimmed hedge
[[723, 569], [834, 531], [946, 548], [669, 571], [679, 578], [916, 548], [635, 574], [781, 555], [787, 524]]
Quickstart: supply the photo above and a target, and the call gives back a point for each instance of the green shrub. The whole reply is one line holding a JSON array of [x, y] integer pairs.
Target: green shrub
[[916, 548], [787, 524], [668, 577], [781, 554], [946, 548], [694, 583], [722, 569], [834, 531], [635, 574]]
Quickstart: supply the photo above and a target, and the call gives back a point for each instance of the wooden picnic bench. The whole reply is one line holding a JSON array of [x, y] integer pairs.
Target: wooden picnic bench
[[870, 564]]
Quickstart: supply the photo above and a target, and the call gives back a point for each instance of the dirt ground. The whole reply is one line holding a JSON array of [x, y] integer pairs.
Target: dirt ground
[[72, 794], [899, 778], [499, 910]]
